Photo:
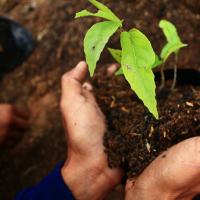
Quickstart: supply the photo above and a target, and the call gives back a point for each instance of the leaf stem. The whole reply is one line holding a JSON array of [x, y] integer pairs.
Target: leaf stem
[[162, 76], [175, 72]]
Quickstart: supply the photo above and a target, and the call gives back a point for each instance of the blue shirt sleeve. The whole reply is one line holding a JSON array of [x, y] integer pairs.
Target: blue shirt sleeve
[[50, 188]]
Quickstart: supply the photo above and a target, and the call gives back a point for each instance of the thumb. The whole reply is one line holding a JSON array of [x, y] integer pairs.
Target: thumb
[[72, 80], [72, 84], [78, 73]]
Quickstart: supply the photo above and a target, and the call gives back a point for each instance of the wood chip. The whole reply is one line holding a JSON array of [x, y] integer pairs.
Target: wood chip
[[112, 105], [124, 109], [41, 35], [113, 98], [148, 146], [151, 131], [134, 134], [164, 134], [189, 104], [184, 133]]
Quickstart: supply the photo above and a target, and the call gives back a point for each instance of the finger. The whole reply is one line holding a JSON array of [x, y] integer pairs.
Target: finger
[[21, 123], [72, 81], [112, 69], [87, 86], [78, 73], [21, 113], [72, 85]]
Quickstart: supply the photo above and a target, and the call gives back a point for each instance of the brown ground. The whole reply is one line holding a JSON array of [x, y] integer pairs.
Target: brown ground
[[36, 84]]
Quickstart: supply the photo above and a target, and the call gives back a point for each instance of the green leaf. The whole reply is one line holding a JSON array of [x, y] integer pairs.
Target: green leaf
[[142, 50], [86, 13], [157, 62], [170, 31], [137, 55], [116, 54], [95, 41], [105, 9], [174, 42], [170, 48], [119, 72]]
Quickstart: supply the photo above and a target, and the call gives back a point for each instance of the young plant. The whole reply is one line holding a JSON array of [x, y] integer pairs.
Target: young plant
[[173, 45], [137, 57]]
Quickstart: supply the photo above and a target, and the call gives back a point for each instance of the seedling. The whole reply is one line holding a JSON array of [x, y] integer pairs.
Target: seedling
[[137, 57], [173, 45]]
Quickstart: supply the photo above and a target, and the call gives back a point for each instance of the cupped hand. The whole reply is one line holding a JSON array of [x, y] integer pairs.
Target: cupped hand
[[86, 171], [11, 118], [174, 175]]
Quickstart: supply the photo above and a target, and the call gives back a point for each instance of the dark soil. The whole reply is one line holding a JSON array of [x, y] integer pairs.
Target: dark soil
[[135, 137], [36, 84]]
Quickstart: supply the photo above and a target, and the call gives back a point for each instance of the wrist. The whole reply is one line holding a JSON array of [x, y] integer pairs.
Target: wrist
[[86, 180]]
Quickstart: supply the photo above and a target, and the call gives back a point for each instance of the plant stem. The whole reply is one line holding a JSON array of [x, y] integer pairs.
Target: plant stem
[[162, 76], [175, 72]]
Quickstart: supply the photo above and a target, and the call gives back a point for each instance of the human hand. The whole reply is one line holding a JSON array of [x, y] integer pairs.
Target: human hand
[[174, 175], [11, 118], [86, 170]]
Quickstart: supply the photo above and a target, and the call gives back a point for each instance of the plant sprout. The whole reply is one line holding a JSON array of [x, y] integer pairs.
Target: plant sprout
[[173, 45], [136, 57]]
